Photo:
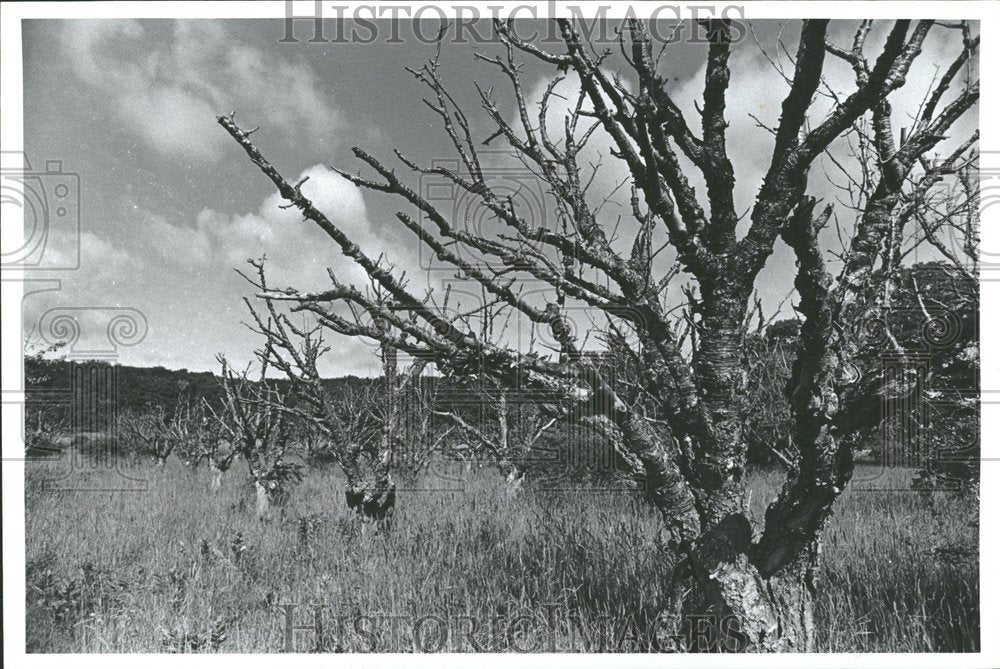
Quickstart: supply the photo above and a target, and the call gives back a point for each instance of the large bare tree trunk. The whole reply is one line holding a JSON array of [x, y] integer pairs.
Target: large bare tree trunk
[[723, 601], [727, 605], [719, 450]]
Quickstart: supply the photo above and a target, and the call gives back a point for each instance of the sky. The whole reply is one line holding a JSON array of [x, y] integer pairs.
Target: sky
[[170, 206]]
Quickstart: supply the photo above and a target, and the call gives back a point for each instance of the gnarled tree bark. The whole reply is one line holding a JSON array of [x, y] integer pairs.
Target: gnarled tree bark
[[742, 592]]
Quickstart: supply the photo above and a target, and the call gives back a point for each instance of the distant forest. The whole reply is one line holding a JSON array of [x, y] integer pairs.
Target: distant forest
[[50, 385], [934, 320]]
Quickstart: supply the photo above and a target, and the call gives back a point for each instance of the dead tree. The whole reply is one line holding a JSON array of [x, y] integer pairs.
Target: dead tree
[[157, 432], [494, 424], [494, 433], [51, 431], [253, 419], [365, 458], [374, 496], [908, 202], [421, 435], [48, 437], [757, 590], [211, 444]]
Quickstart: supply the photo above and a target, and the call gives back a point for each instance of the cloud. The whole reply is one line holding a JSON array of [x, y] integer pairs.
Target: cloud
[[173, 121], [180, 275], [168, 85]]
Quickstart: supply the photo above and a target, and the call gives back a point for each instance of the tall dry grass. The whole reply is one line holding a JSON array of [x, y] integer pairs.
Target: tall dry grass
[[464, 567]]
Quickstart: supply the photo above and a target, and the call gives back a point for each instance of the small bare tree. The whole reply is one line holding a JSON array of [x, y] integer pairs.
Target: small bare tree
[[48, 435], [46, 427], [158, 432], [209, 442], [496, 431], [295, 351], [421, 434], [254, 420]]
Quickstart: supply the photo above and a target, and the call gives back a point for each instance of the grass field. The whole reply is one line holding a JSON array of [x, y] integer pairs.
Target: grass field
[[175, 567]]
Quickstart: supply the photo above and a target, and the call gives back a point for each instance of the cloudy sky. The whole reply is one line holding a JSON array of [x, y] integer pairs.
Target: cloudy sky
[[170, 204]]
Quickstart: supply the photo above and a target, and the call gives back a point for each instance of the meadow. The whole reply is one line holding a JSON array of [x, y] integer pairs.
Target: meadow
[[170, 566]]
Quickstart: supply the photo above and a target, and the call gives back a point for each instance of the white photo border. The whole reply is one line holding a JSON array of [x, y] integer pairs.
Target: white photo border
[[11, 139]]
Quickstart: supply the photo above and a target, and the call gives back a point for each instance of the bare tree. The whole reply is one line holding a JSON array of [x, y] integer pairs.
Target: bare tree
[[48, 435], [366, 462], [421, 435], [209, 442], [494, 431], [52, 428], [908, 202], [757, 590], [253, 420], [157, 431]]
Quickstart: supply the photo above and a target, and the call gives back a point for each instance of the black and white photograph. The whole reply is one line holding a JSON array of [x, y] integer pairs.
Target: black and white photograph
[[344, 334]]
